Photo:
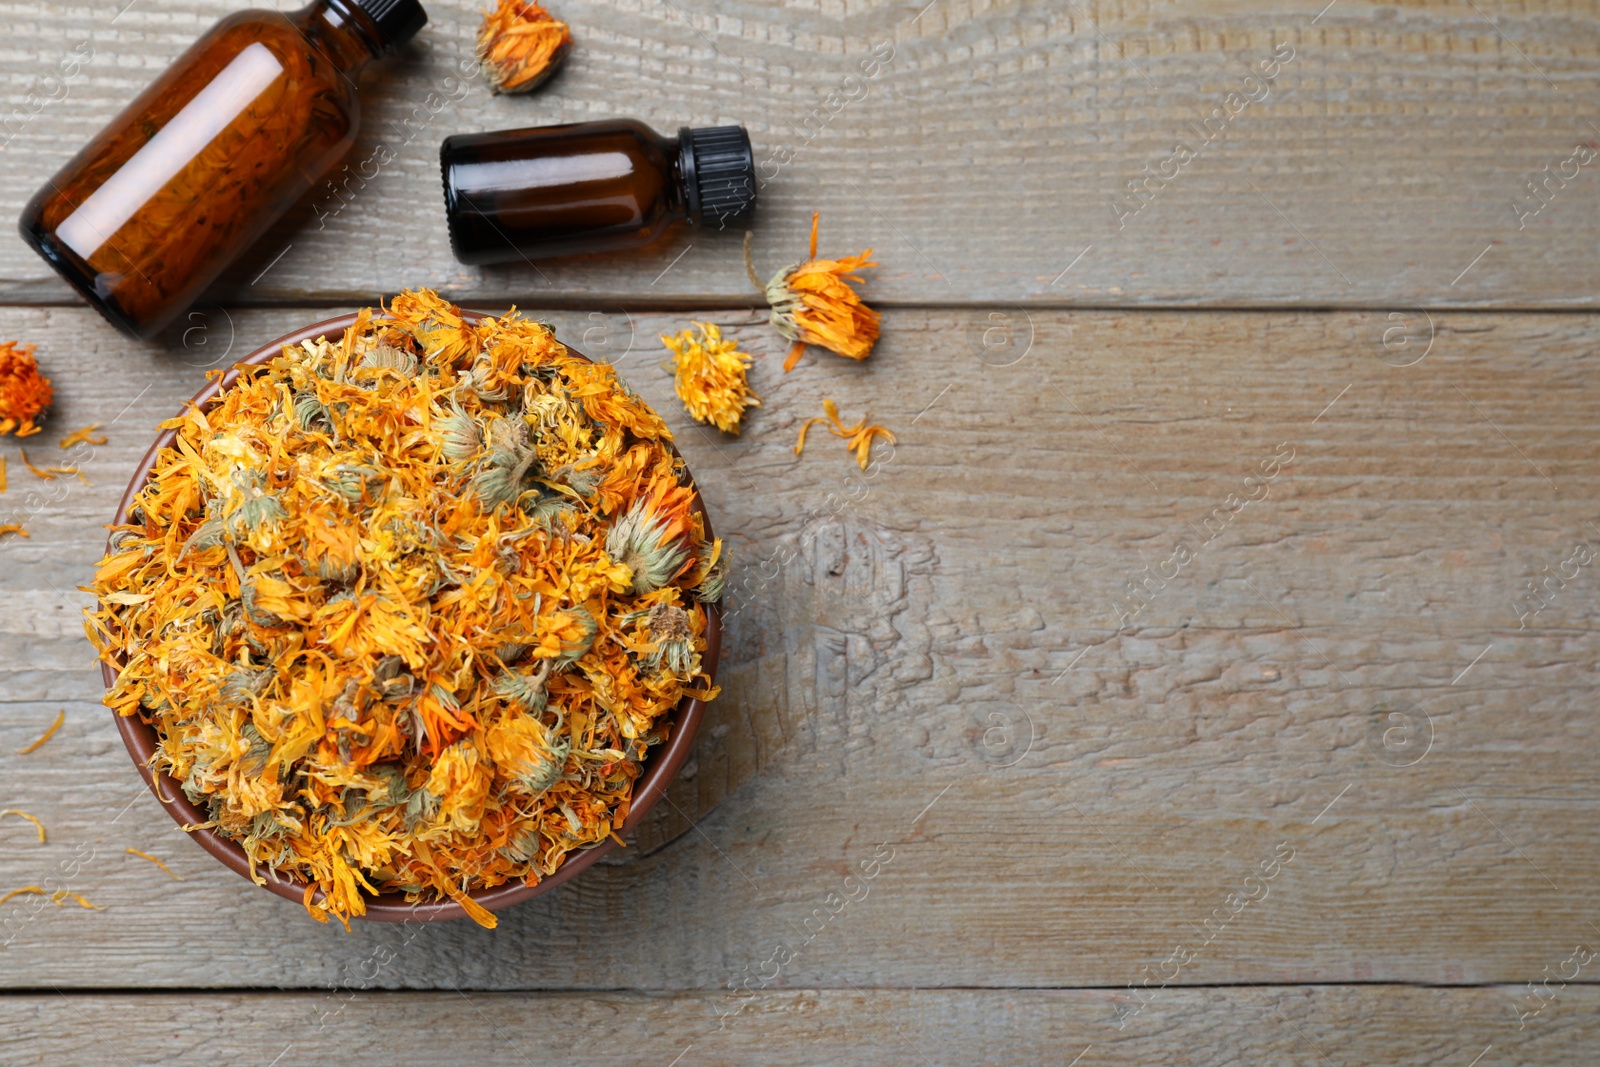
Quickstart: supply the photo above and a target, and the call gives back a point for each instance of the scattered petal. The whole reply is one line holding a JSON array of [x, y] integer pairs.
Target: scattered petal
[[61, 717], [858, 438], [85, 436], [25, 890], [800, 445], [65, 894], [37, 825], [152, 859], [47, 475]]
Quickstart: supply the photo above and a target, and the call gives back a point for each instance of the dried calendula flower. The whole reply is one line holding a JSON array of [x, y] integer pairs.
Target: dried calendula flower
[[13, 528], [520, 45], [813, 303], [710, 376], [653, 538], [25, 394], [712, 577], [858, 438], [407, 608]]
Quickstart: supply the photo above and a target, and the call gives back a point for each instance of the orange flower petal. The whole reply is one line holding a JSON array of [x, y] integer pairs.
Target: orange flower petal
[[25, 394], [520, 45]]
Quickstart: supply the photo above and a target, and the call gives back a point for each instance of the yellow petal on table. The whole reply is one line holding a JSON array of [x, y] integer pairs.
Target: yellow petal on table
[[858, 438], [61, 717], [62, 894], [48, 476], [24, 815], [85, 436], [154, 860]]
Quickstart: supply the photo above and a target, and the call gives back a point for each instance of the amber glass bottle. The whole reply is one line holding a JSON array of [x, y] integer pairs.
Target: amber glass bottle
[[589, 187], [253, 115]]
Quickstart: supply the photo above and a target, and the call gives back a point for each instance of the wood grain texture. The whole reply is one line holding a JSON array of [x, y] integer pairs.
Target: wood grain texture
[[788, 1028], [1011, 717], [924, 663], [1386, 165]]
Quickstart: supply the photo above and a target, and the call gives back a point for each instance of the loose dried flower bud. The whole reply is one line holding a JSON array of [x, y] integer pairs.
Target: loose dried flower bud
[[813, 303], [520, 45], [25, 394], [710, 376]]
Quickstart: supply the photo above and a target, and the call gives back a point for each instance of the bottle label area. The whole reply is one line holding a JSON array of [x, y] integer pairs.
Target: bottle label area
[[177, 145]]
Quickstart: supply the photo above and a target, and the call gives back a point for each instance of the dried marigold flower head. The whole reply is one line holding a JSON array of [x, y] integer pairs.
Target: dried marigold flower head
[[407, 608], [25, 394], [709, 375], [652, 539], [520, 45], [713, 573], [813, 303]]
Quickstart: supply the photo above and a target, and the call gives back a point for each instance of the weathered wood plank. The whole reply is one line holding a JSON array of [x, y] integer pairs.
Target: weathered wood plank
[[1368, 1024], [927, 658], [1386, 164]]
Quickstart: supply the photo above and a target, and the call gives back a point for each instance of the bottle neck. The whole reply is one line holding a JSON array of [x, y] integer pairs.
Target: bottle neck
[[678, 178], [342, 32]]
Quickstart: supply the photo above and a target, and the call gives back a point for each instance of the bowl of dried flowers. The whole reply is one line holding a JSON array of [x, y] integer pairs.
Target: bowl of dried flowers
[[411, 614]]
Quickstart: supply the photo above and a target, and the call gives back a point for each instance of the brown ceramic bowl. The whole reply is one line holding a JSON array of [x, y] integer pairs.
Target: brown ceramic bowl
[[660, 767]]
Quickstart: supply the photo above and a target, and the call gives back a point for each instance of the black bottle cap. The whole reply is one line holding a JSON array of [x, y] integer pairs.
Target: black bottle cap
[[719, 172], [397, 20]]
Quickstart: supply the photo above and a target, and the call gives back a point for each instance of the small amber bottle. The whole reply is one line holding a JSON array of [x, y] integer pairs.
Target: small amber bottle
[[589, 187], [253, 115]]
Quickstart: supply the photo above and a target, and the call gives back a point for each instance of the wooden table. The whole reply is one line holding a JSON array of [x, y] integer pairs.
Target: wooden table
[[1131, 751]]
